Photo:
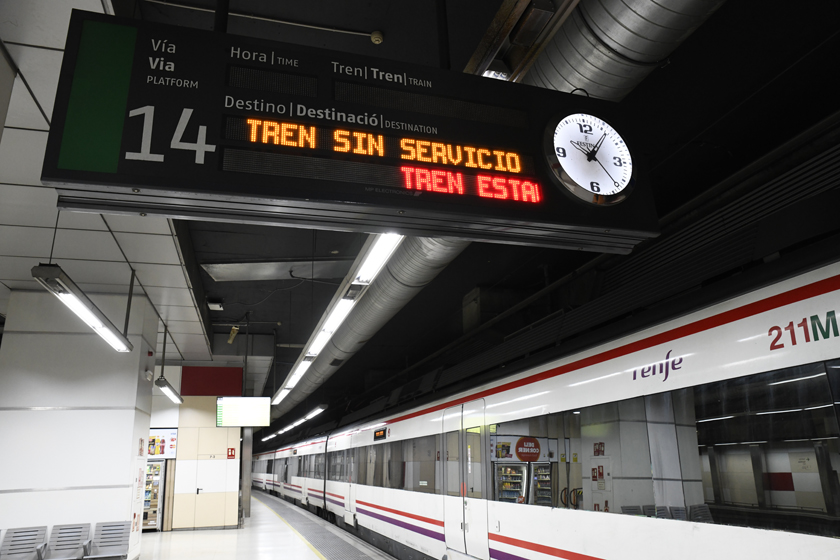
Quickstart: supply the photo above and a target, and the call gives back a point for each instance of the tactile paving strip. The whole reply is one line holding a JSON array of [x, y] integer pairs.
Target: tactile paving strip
[[332, 547]]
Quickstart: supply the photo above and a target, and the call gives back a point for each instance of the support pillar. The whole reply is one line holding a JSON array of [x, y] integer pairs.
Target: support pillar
[[74, 415], [247, 451]]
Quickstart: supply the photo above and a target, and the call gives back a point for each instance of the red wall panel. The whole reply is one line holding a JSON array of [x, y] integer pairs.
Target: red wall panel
[[211, 381]]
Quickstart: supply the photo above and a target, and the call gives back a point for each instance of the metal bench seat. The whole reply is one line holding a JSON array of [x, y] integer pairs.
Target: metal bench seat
[[25, 543], [110, 540], [67, 542]]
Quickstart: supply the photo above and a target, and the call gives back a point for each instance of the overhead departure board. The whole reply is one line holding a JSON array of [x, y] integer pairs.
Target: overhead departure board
[[238, 412], [156, 119]]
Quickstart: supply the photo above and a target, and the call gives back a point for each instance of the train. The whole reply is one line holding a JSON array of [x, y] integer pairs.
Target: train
[[711, 435]]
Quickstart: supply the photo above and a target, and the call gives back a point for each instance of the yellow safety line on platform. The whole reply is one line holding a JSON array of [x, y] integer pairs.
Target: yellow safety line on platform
[[301, 537]]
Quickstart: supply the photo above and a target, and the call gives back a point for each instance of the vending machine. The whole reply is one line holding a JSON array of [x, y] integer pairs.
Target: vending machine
[[153, 499], [541, 494], [511, 482]]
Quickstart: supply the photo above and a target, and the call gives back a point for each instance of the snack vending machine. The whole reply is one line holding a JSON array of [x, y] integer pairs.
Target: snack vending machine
[[511, 481], [541, 484], [153, 499]]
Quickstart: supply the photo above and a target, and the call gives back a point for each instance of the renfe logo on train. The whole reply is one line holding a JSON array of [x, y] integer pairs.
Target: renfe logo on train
[[661, 368]]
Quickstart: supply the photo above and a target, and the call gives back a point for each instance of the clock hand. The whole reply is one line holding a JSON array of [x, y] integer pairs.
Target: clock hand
[[605, 171], [591, 155], [579, 147]]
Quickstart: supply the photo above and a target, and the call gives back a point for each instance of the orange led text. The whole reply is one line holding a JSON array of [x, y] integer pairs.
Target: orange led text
[[284, 134], [452, 154]]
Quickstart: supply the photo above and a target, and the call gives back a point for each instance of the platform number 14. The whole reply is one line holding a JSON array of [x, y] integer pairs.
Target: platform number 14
[[145, 154]]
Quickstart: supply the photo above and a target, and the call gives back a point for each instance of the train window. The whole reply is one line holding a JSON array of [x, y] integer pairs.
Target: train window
[[420, 467], [336, 465], [453, 473], [393, 465], [475, 480], [769, 449], [269, 466], [318, 465], [360, 462]]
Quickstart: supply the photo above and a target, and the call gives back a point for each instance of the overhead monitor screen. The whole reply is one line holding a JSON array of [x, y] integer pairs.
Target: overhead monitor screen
[[239, 412]]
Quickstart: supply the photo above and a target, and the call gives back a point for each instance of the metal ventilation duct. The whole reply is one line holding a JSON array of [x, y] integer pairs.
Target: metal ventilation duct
[[607, 47], [416, 262]]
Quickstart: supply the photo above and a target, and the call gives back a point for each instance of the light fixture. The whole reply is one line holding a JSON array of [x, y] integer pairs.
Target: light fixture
[[281, 395], [269, 437], [778, 411], [378, 253], [161, 381], [797, 379], [56, 281], [713, 419], [233, 332], [316, 412], [376, 258], [168, 390], [296, 376]]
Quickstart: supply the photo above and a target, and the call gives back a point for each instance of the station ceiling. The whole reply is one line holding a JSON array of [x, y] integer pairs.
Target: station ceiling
[[731, 99]]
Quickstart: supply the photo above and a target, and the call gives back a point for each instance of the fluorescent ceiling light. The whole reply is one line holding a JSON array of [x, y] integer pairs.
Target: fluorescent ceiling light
[[319, 343], [816, 407], [778, 411], [713, 419], [281, 395], [299, 371], [797, 379], [316, 412], [376, 258], [751, 442], [169, 390], [56, 281], [269, 437]]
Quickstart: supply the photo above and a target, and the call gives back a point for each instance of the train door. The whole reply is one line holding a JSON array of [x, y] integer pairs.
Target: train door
[[465, 506]]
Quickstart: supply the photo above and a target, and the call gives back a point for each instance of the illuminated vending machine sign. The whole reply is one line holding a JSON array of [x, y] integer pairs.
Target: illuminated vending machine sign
[[187, 123]]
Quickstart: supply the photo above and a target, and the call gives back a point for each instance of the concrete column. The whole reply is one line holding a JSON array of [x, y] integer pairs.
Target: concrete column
[[245, 483], [74, 415]]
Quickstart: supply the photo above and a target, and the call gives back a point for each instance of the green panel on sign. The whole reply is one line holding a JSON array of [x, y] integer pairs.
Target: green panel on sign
[[98, 97]]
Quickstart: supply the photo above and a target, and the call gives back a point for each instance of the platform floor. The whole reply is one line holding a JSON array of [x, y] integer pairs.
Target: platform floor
[[276, 529]]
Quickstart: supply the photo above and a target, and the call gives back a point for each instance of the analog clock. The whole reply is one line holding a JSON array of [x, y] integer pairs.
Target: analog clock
[[590, 159]]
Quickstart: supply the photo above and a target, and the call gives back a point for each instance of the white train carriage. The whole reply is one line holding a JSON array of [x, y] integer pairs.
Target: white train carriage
[[691, 439]]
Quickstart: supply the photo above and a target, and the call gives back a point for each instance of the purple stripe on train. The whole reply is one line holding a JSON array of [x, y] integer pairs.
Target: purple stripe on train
[[402, 524], [499, 555], [336, 502]]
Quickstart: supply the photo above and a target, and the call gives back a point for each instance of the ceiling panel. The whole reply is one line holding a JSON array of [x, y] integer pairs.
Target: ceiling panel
[[176, 313], [138, 224], [189, 342], [85, 244], [21, 241], [36, 206], [81, 220], [40, 22], [30, 285], [197, 357], [97, 272], [4, 299], [17, 268], [91, 288], [30, 206], [185, 327], [141, 248], [41, 68], [171, 297], [23, 112], [161, 275], [21, 156]]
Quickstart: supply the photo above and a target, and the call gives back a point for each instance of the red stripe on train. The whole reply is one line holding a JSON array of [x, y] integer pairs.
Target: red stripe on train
[[551, 551], [773, 302], [404, 514]]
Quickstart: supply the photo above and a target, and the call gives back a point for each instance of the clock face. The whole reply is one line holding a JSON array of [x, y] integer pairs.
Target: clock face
[[591, 159]]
